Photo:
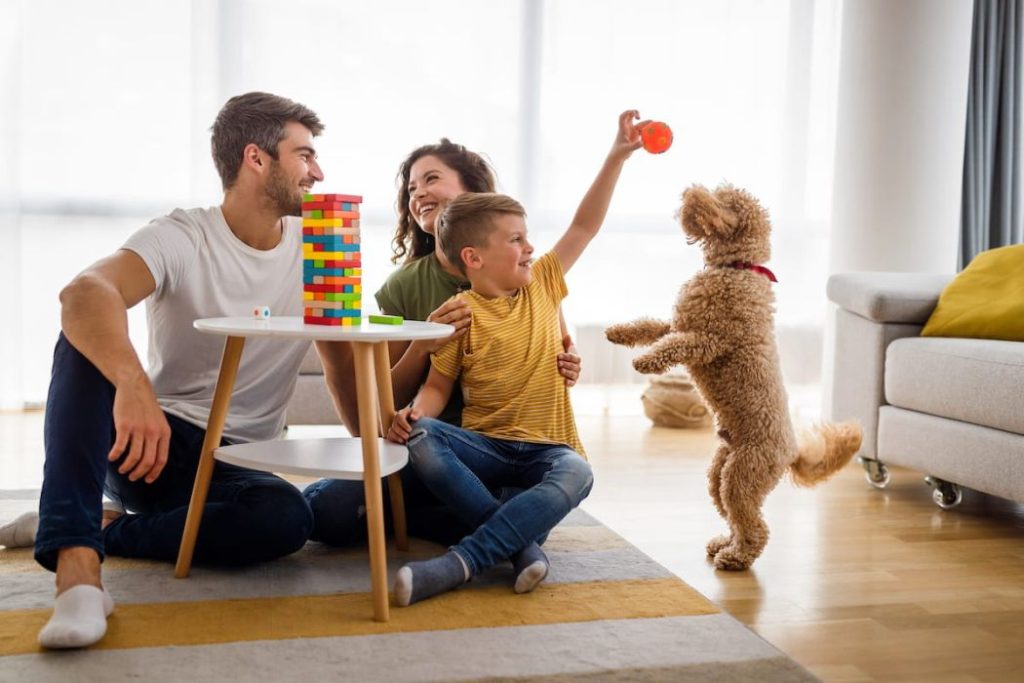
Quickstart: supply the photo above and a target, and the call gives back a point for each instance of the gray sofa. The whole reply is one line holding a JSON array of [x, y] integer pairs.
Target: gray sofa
[[950, 408], [311, 404]]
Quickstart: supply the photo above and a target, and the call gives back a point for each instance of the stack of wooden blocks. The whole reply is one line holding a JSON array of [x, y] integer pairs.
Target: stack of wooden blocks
[[332, 275]]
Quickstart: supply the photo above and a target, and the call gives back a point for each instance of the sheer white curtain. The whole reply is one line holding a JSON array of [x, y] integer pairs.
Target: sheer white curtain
[[10, 232], [108, 105], [98, 97], [749, 89]]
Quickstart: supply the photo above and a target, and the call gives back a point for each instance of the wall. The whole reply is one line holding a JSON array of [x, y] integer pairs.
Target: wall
[[900, 130], [900, 135]]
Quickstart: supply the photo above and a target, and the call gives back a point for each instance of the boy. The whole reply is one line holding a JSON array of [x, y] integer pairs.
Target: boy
[[518, 424]]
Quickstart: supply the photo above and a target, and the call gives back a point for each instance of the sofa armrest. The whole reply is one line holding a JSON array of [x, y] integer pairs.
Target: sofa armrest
[[907, 298], [874, 310]]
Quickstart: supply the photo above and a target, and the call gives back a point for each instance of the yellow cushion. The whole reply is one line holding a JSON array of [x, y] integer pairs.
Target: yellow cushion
[[986, 300]]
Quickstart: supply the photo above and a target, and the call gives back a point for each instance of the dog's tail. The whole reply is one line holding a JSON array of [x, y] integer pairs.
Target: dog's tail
[[823, 450]]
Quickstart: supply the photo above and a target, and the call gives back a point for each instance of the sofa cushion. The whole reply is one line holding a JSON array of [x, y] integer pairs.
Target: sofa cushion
[[985, 301], [311, 404], [311, 363], [979, 381], [981, 458]]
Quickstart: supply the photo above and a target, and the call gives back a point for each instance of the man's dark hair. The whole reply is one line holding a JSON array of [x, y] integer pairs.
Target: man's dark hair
[[258, 118]]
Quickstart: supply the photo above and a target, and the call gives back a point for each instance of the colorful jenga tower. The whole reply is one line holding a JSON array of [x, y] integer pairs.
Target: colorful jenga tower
[[332, 275]]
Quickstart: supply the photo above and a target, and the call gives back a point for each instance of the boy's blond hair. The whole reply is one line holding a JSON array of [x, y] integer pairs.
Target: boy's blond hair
[[467, 221]]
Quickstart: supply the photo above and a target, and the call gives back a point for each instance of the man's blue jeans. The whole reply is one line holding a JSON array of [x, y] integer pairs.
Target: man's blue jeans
[[249, 516], [339, 511], [462, 467]]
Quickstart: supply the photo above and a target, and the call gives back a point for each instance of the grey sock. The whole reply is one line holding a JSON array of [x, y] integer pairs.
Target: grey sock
[[421, 580], [530, 566]]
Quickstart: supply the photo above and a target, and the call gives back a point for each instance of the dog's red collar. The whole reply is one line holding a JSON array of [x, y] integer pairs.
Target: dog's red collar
[[746, 265]]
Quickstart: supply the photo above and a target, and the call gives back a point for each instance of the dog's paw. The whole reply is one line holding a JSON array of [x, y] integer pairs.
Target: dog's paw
[[731, 559], [621, 333], [648, 365], [717, 543]]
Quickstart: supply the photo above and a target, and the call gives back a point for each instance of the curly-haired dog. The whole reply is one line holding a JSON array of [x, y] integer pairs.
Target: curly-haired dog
[[723, 332]]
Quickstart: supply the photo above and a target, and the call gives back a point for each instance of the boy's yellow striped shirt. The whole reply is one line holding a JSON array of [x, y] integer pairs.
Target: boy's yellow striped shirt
[[507, 363]]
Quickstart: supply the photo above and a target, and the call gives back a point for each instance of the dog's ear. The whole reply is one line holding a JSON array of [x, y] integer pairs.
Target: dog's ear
[[703, 216], [748, 211]]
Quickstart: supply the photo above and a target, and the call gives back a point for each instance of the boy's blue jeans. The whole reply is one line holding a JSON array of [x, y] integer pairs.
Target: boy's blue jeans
[[462, 467], [249, 516]]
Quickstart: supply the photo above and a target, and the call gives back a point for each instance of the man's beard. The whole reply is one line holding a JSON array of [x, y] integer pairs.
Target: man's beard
[[286, 199]]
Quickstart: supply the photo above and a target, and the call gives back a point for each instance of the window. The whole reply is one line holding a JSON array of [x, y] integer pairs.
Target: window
[[108, 107]]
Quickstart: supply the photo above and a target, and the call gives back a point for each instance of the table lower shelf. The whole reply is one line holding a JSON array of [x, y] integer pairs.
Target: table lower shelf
[[340, 458]]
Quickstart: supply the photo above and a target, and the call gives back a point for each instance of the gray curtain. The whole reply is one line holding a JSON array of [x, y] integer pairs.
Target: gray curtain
[[991, 213]]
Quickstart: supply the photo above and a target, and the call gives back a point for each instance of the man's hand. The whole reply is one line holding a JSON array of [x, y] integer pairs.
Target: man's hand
[[569, 362], [401, 427], [141, 430]]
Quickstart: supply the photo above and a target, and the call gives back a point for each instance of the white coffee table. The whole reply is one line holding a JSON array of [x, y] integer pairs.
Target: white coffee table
[[367, 458]]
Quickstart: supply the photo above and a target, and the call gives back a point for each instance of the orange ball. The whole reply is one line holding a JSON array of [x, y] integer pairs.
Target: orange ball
[[656, 136]]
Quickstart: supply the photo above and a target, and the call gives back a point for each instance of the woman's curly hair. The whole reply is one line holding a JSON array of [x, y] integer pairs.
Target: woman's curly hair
[[474, 172]]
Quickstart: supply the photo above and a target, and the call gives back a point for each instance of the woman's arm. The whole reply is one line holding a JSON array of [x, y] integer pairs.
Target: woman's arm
[[568, 361]]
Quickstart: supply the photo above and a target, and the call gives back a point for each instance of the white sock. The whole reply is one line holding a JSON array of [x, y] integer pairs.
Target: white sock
[[403, 587], [531, 577], [21, 532], [530, 565], [79, 618], [465, 567]]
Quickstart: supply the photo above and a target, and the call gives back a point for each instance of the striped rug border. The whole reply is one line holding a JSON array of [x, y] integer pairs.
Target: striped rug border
[[317, 616]]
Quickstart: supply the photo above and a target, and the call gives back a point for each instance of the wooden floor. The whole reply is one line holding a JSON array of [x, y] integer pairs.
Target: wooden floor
[[856, 584]]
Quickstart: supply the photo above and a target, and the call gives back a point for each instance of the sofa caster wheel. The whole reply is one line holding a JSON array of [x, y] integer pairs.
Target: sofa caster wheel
[[876, 473], [946, 494]]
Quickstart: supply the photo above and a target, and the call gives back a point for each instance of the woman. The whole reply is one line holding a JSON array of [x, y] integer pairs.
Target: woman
[[422, 289]]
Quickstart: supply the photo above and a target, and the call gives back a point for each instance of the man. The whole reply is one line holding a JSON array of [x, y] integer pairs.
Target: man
[[107, 419]]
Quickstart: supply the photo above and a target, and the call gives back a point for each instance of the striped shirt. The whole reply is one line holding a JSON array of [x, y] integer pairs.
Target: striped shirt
[[507, 363]]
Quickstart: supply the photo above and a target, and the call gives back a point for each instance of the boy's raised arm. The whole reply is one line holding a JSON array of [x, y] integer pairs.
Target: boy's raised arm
[[594, 206]]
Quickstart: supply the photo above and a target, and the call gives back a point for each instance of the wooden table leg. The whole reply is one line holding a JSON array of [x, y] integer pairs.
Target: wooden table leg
[[386, 399], [214, 429], [368, 425]]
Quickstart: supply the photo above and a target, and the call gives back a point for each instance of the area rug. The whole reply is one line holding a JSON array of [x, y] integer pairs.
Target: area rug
[[606, 612]]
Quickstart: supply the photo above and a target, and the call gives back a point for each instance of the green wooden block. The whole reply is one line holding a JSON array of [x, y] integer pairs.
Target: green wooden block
[[342, 296], [387, 319]]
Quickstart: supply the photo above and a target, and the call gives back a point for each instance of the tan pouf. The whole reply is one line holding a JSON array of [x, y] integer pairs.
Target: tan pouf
[[671, 400]]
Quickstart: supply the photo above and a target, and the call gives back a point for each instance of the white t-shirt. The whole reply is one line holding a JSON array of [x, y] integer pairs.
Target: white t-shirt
[[202, 270]]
